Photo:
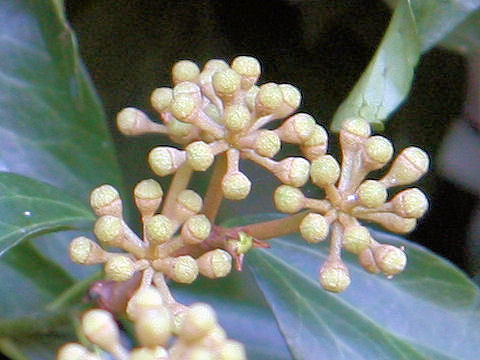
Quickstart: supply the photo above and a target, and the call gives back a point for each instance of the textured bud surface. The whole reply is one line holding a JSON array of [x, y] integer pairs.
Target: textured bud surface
[[390, 259], [411, 203], [379, 149], [80, 249], [103, 196], [291, 95], [236, 117], [334, 277], [246, 66], [199, 226], [185, 269], [267, 143], [236, 186], [161, 98], [314, 228], [357, 126], [324, 171], [184, 70], [199, 155], [356, 238], [226, 82], [190, 200], [108, 229], [183, 106], [288, 199], [119, 268], [270, 96], [148, 189], [372, 193], [162, 160], [153, 328], [159, 228]]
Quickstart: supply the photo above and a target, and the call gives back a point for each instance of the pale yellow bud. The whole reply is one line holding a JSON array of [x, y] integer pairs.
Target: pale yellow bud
[[161, 99], [226, 82], [357, 127], [199, 155], [251, 96], [390, 259], [165, 160], [249, 68], [85, 251], [101, 329], [324, 171], [390, 221], [184, 107], [379, 149], [189, 201], [409, 166], [144, 299], [148, 196], [156, 353], [131, 121], [293, 171], [232, 350], [236, 186], [411, 203], [297, 128], [334, 276], [196, 229], [288, 199], [199, 320], [159, 229], [105, 200], [269, 98], [119, 268], [198, 353], [267, 143], [182, 269], [316, 145], [184, 70], [179, 128], [213, 339], [291, 96], [372, 194], [109, 230], [187, 88], [73, 351], [367, 261], [356, 238], [237, 117], [314, 228], [153, 327], [215, 264]]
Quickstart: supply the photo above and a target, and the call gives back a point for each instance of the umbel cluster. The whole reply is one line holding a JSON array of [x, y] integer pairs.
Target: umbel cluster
[[218, 116]]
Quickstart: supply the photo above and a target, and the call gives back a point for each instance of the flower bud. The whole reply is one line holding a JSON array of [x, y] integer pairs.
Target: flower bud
[[390, 221], [165, 160], [179, 129], [109, 230], [73, 351], [316, 145], [184, 70], [153, 327], [236, 117], [288, 199], [182, 269], [248, 68], [189, 202], [292, 171], [372, 194], [85, 251], [251, 96], [184, 107], [159, 229], [334, 276], [410, 203], [291, 97], [236, 186], [226, 82], [324, 171], [232, 350], [119, 268], [379, 150], [314, 228], [148, 196], [199, 320], [390, 259], [131, 121], [269, 98], [356, 238], [367, 261], [144, 299], [144, 353], [198, 353], [101, 329], [215, 264], [199, 155], [296, 129], [267, 143], [353, 132], [409, 166], [196, 229], [105, 200], [161, 99]]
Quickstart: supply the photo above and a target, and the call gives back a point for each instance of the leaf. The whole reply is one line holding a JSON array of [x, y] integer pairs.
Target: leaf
[[465, 38], [429, 311], [416, 26]]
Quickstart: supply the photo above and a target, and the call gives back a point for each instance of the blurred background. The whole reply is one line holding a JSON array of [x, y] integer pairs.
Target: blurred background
[[319, 46]]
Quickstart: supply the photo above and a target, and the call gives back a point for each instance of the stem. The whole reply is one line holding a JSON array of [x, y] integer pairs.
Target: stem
[[274, 228], [10, 349], [179, 183], [73, 293], [336, 241], [214, 195]]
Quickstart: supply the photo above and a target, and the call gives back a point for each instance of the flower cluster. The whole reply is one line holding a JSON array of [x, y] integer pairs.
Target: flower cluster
[[349, 197], [220, 110]]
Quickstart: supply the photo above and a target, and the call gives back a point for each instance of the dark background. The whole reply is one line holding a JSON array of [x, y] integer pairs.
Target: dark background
[[319, 46]]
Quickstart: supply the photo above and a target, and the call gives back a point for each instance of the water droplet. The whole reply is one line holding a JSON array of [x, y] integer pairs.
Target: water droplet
[[27, 213], [352, 197], [390, 277], [23, 231]]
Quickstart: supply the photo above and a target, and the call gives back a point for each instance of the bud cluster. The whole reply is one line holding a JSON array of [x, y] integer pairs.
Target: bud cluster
[[221, 110], [350, 197]]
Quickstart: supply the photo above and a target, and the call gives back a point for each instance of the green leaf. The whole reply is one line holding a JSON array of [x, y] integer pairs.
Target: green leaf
[[416, 26], [429, 311], [465, 39]]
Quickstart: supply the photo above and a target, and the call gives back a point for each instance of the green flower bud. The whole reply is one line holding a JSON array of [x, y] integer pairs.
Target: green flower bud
[[409, 166], [153, 327], [314, 228], [297, 128], [159, 229], [109, 230], [357, 127], [390, 259], [232, 350], [165, 160], [196, 229], [105, 200], [288, 199], [184, 70], [410, 203], [184, 270], [293, 171], [236, 117], [143, 300], [334, 276], [190, 201], [199, 155], [101, 329], [246, 66], [183, 107], [236, 186], [215, 264], [226, 82], [356, 238], [267, 143], [161, 99], [119, 268], [291, 96], [198, 321], [324, 171], [85, 251], [269, 98], [379, 149], [372, 194], [156, 353]]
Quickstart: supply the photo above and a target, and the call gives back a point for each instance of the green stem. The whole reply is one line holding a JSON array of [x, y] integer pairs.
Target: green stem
[[179, 183], [73, 293], [10, 349], [271, 229], [214, 194]]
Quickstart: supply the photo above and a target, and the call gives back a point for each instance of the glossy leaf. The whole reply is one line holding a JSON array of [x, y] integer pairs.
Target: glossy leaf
[[429, 311], [416, 26]]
